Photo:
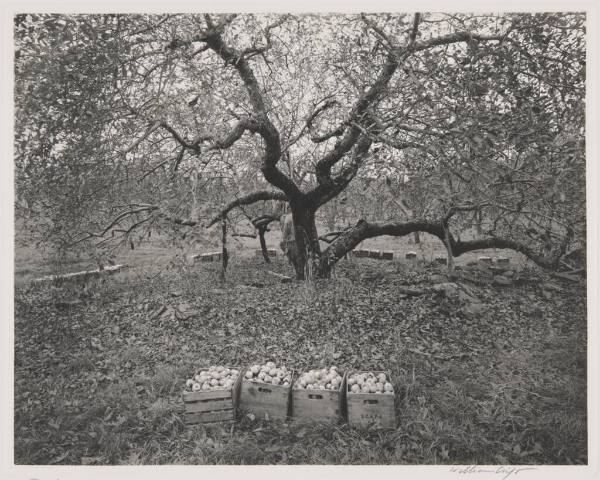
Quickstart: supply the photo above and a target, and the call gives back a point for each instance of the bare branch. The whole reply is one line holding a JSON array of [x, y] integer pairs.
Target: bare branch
[[146, 134], [380, 33], [415, 30], [248, 200], [453, 38]]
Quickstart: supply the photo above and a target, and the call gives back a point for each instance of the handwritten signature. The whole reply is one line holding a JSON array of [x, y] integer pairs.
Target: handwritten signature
[[505, 472]]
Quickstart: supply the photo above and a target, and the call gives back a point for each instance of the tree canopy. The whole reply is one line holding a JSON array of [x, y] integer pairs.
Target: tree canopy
[[131, 122]]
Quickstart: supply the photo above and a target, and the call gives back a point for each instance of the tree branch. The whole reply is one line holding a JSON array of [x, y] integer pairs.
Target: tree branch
[[364, 230], [453, 38], [265, 128], [248, 200]]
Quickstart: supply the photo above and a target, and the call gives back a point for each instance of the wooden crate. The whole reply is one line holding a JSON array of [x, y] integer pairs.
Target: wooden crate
[[270, 252], [387, 255], [264, 400], [213, 405], [320, 405], [372, 409], [440, 259], [374, 254], [360, 253]]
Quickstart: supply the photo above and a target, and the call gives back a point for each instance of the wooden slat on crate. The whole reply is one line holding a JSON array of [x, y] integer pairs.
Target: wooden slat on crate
[[319, 405], [201, 395], [371, 409], [210, 417], [211, 405]]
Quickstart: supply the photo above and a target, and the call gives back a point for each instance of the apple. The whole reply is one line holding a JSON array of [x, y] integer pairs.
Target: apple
[[196, 387]]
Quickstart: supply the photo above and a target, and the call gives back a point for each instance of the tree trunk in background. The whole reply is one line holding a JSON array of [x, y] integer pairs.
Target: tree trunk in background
[[478, 221], [417, 238], [263, 244], [448, 246], [224, 254]]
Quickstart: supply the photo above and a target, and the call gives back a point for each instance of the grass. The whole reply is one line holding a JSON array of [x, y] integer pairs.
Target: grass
[[502, 388]]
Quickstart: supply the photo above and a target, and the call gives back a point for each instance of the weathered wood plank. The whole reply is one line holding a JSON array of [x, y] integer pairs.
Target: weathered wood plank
[[86, 273], [209, 417], [209, 405]]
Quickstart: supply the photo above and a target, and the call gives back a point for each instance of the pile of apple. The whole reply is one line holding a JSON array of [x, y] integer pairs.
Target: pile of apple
[[215, 378], [322, 379], [369, 382], [269, 373]]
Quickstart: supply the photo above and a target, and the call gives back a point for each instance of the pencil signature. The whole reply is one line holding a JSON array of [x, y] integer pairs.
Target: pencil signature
[[504, 472]]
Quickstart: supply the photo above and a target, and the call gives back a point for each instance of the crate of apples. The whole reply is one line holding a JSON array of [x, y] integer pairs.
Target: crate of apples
[[318, 394], [370, 400], [265, 390], [211, 395]]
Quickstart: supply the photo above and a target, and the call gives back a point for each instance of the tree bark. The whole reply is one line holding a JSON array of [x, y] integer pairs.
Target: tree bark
[[225, 254], [308, 248], [263, 243]]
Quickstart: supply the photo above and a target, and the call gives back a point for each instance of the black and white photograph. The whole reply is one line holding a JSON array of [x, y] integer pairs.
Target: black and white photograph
[[332, 238]]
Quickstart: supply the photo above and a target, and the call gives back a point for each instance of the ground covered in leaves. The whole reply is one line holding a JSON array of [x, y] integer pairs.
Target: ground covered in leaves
[[99, 367]]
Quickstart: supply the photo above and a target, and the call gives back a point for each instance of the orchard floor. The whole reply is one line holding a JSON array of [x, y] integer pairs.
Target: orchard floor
[[99, 367]]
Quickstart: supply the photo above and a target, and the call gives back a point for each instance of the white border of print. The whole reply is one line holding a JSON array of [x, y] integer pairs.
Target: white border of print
[[7, 468]]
